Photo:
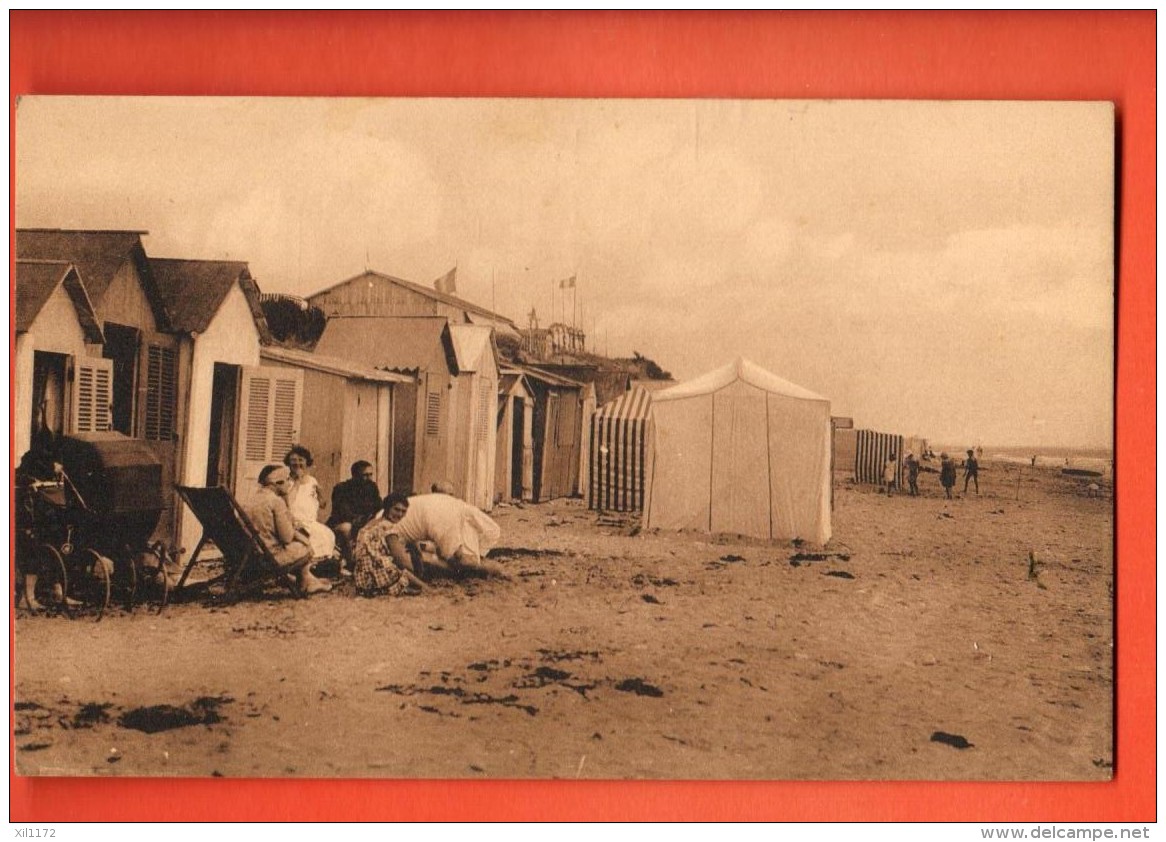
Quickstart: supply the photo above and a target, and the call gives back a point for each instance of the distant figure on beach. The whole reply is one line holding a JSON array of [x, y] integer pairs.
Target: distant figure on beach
[[912, 465], [946, 473], [971, 472], [1034, 460], [890, 468]]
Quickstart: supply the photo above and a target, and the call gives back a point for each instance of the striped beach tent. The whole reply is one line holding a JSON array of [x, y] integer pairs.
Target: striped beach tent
[[619, 432], [872, 450]]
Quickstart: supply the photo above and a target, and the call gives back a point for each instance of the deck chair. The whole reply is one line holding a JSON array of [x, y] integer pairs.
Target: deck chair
[[247, 563]]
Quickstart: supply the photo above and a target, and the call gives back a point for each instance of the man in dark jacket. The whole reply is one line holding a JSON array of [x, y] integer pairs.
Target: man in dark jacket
[[354, 502]]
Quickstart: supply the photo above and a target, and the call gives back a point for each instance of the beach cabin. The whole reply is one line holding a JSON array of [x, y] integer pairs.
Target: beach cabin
[[514, 462], [60, 379], [619, 433], [476, 433], [237, 415], [872, 449], [446, 420], [139, 344], [347, 413], [377, 294], [556, 433]]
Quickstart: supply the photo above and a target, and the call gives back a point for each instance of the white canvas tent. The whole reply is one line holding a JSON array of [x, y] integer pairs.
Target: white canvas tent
[[740, 450]]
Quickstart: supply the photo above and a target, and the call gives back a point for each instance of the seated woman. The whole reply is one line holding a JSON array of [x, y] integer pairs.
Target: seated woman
[[304, 502], [269, 515], [378, 568]]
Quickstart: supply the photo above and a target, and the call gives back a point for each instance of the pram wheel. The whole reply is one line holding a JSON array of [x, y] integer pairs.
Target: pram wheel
[[91, 583], [52, 582]]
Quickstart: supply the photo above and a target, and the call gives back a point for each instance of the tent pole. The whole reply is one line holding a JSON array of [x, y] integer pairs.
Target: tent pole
[[769, 466]]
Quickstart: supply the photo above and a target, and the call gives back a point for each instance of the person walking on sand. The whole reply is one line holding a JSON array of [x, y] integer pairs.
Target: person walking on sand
[[946, 474], [890, 468], [971, 472], [912, 465]]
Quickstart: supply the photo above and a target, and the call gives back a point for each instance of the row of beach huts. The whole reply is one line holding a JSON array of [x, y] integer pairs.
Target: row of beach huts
[[178, 354]]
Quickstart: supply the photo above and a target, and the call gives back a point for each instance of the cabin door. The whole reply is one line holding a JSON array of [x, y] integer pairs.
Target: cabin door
[[220, 462], [519, 448], [270, 407]]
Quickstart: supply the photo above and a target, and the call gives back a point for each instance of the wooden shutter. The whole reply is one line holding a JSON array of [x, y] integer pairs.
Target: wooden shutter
[[161, 392], [92, 395], [487, 401], [270, 407], [433, 414]]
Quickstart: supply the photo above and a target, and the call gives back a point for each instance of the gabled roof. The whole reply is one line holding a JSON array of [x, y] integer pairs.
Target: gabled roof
[[634, 404], [98, 255], [740, 369], [36, 280], [194, 290], [397, 343], [428, 292], [511, 381], [546, 378], [471, 344], [332, 365]]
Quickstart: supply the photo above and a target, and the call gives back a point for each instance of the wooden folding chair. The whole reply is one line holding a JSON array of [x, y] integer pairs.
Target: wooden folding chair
[[247, 563]]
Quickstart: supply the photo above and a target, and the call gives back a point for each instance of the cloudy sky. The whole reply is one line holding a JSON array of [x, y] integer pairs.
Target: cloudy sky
[[941, 269]]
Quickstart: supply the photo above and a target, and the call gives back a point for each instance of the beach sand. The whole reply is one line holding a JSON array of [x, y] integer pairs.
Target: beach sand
[[612, 653]]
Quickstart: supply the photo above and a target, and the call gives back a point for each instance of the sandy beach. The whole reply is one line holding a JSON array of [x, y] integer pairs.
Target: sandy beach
[[916, 645]]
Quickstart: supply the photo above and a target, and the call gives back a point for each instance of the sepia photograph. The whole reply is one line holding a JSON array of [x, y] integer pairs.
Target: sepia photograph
[[617, 439]]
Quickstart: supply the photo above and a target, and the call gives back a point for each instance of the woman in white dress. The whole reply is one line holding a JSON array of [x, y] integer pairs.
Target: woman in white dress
[[305, 502]]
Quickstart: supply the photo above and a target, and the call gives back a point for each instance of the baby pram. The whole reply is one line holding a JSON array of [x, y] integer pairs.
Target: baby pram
[[85, 531]]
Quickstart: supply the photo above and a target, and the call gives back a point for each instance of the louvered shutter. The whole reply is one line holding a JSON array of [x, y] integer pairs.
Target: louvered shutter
[[161, 392], [270, 406], [487, 399], [92, 395], [433, 414]]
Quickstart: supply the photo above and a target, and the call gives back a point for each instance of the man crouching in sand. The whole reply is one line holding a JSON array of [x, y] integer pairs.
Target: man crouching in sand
[[440, 531]]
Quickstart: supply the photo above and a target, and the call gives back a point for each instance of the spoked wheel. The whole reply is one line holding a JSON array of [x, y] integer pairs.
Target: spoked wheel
[[153, 576], [91, 582], [52, 583], [126, 578]]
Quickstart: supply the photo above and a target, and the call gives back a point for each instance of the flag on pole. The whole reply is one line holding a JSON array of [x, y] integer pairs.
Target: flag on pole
[[447, 283], [567, 283]]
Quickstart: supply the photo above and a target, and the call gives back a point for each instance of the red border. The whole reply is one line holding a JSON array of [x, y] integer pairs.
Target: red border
[[919, 55]]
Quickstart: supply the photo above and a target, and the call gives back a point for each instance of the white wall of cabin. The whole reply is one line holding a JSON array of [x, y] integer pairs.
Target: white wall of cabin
[[55, 329], [231, 337], [125, 301]]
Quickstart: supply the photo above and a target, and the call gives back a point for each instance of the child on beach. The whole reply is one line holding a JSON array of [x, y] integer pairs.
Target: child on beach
[[971, 472], [946, 473]]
